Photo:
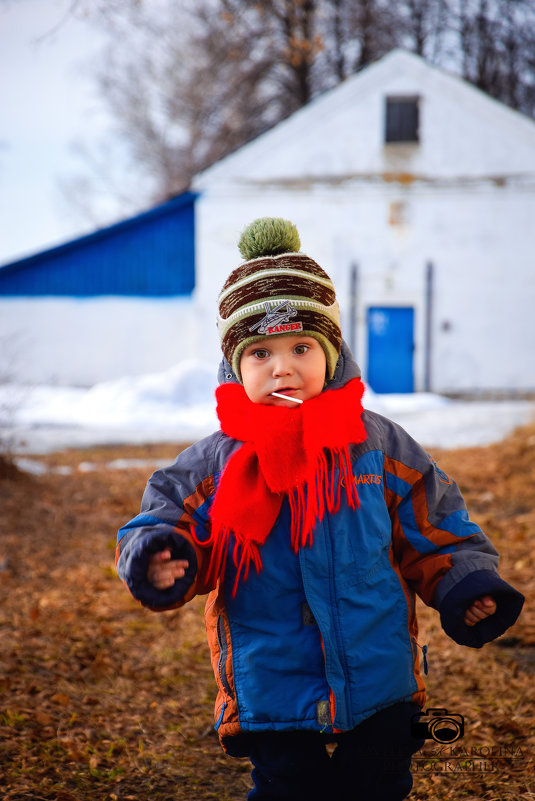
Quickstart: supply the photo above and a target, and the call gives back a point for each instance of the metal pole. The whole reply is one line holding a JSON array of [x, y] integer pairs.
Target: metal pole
[[353, 284], [429, 291]]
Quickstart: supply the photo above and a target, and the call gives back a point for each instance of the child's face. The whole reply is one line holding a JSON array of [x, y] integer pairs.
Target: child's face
[[294, 365]]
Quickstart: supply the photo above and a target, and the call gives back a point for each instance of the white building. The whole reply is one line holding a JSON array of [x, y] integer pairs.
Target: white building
[[401, 166]]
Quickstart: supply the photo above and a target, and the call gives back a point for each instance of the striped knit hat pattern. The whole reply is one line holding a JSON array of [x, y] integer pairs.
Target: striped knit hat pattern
[[277, 291]]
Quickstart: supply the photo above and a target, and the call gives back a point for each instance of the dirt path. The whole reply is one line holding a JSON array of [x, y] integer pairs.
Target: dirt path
[[103, 700]]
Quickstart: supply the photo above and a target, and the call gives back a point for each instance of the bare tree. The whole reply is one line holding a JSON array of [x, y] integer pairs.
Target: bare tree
[[426, 25], [497, 49]]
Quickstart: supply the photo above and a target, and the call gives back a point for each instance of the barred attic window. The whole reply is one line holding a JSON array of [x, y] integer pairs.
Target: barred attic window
[[402, 119]]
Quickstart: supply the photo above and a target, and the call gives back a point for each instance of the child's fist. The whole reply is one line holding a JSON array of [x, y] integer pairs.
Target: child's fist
[[479, 610], [163, 570]]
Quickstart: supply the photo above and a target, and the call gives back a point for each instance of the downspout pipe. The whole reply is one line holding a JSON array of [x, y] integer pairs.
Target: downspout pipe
[[353, 292], [428, 334]]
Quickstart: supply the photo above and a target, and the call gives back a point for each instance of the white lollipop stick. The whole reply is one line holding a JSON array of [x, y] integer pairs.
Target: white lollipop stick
[[286, 397]]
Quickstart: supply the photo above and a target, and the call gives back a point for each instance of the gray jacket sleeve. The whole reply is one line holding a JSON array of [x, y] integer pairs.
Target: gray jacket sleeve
[[175, 499], [442, 554]]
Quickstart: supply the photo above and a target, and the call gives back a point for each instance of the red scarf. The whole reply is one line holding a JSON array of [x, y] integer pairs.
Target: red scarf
[[291, 453]]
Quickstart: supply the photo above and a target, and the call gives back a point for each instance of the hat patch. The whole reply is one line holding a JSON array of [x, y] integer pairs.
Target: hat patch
[[277, 320]]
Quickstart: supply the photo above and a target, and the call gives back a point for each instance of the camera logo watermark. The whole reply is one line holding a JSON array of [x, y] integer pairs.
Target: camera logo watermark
[[438, 725]]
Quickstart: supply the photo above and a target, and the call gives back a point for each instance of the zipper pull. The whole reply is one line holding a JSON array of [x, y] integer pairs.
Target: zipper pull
[[424, 654]]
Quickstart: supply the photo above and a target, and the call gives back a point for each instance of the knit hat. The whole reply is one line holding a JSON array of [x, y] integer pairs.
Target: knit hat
[[277, 291]]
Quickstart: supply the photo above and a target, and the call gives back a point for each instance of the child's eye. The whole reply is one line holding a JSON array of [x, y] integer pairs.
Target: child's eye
[[261, 353], [300, 349]]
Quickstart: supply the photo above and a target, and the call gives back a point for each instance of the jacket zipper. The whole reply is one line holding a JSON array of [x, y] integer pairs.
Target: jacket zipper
[[338, 635], [223, 653]]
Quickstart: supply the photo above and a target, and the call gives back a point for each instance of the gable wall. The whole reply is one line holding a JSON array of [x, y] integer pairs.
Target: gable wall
[[464, 134]]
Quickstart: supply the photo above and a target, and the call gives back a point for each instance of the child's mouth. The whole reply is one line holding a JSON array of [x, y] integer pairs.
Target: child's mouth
[[287, 397]]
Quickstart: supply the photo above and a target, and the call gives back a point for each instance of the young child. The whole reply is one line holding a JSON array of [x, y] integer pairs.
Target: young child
[[311, 524]]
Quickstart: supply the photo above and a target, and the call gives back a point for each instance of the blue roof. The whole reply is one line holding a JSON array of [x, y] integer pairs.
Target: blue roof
[[149, 255]]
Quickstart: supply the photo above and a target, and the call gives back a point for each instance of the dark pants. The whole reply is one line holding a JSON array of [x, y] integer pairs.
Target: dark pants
[[369, 763]]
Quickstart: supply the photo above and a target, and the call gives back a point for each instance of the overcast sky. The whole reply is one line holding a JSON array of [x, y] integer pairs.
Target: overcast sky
[[48, 101]]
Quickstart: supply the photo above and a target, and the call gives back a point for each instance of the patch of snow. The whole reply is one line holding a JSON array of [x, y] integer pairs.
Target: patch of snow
[[178, 405]]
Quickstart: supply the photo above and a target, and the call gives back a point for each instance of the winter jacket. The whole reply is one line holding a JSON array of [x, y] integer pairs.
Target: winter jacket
[[321, 639]]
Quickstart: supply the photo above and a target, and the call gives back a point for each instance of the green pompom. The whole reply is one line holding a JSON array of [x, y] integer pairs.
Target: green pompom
[[268, 236]]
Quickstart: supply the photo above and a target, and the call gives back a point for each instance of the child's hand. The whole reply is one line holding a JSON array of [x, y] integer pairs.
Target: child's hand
[[163, 570], [479, 610]]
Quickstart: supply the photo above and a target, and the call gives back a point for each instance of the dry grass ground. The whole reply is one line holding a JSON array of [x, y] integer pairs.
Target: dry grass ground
[[101, 700]]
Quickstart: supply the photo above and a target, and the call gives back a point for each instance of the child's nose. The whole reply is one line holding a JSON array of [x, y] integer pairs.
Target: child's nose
[[282, 366]]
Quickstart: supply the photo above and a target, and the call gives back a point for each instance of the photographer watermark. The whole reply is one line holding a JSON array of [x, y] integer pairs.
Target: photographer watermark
[[446, 755], [456, 759]]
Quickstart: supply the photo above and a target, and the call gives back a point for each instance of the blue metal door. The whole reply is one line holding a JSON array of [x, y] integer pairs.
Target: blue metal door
[[390, 348]]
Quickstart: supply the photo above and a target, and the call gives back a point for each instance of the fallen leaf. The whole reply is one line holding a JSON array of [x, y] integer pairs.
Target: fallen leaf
[[43, 718], [61, 699]]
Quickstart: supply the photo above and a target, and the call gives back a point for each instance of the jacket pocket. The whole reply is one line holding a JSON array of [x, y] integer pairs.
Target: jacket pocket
[[223, 654]]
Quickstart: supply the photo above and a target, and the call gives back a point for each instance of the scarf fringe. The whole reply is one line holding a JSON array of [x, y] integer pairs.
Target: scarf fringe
[[249, 553], [243, 554], [219, 542], [308, 504]]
